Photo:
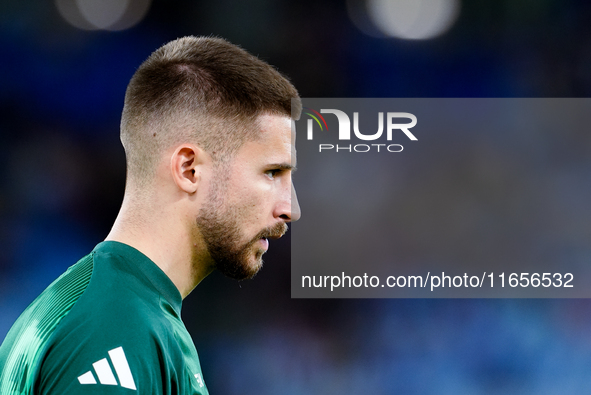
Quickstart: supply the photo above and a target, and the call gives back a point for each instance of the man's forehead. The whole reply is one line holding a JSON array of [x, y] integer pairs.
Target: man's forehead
[[274, 123], [277, 128], [274, 142]]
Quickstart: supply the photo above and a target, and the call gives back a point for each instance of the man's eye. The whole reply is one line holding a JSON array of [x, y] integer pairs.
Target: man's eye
[[272, 173]]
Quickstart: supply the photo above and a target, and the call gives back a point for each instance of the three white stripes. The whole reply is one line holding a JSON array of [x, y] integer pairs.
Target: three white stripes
[[105, 374]]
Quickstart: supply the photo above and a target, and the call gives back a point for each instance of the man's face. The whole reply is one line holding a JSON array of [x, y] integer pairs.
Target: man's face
[[250, 200]]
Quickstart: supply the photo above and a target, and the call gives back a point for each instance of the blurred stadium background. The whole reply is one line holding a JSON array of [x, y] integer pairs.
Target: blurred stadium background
[[64, 66]]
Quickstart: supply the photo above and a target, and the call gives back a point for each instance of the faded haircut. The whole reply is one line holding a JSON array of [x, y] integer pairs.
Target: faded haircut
[[199, 90]]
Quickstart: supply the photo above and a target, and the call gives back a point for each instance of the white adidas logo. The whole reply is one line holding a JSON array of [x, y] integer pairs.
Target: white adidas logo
[[199, 380], [105, 374]]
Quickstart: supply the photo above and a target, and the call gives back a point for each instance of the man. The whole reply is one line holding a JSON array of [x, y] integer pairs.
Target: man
[[206, 129]]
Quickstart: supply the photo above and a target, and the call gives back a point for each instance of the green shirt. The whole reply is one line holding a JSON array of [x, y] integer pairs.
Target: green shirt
[[109, 325]]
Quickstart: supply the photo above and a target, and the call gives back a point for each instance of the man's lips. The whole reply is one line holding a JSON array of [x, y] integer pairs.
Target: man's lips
[[265, 243], [274, 233]]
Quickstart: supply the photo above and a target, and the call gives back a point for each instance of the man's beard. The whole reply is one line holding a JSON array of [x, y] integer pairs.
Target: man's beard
[[220, 229]]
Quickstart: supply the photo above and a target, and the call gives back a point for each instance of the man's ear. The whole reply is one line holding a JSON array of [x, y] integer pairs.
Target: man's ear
[[186, 166]]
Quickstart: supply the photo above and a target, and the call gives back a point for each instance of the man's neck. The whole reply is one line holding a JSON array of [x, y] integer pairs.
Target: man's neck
[[166, 241]]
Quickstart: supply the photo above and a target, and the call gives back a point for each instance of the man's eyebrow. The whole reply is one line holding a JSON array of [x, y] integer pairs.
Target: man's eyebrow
[[283, 166]]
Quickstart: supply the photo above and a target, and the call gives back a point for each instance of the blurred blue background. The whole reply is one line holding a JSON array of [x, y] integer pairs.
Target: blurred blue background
[[62, 174]]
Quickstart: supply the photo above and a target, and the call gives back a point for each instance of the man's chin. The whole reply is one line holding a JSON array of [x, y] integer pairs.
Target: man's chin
[[255, 266], [242, 270]]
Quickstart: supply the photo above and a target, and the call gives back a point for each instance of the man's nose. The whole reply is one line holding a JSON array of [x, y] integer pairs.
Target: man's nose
[[295, 205], [288, 207]]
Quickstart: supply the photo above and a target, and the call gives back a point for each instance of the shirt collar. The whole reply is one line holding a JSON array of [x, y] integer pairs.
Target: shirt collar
[[144, 267]]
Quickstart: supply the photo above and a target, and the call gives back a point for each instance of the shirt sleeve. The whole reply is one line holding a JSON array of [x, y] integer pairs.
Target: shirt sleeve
[[102, 368], [139, 361]]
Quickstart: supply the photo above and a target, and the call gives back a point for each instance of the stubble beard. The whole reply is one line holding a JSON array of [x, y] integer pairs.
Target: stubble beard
[[220, 229]]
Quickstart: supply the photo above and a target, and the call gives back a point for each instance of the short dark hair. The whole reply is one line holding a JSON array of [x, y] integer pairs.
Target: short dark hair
[[203, 90]]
